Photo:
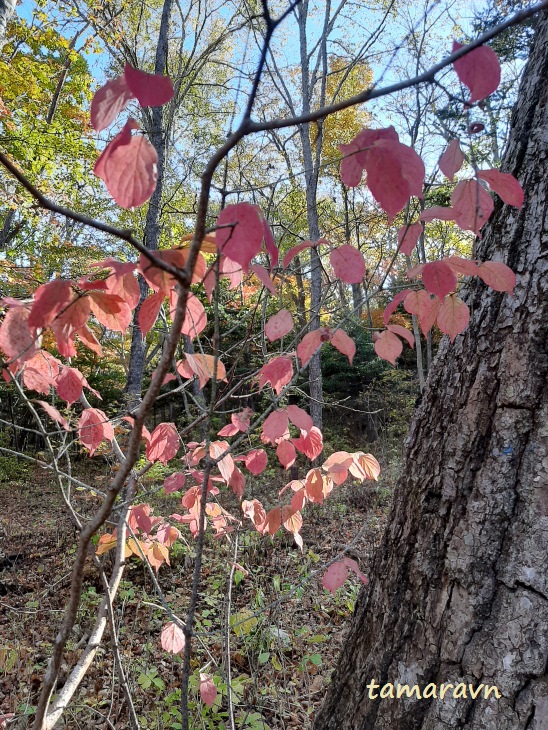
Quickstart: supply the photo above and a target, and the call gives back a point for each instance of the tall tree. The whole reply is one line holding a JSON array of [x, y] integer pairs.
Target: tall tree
[[459, 591]]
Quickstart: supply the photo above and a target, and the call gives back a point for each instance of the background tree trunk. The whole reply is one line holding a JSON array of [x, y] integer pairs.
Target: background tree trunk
[[7, 8], [459, 589]]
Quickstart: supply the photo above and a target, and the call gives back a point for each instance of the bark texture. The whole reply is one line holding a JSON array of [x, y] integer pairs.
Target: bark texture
[[459, 587], [7, 8]]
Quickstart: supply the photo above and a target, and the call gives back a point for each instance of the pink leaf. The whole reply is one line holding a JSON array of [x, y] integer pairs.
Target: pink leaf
[[262, 274], [256, 461], [394, 173], [453, 316], [270, 244], [148, 313], [391, 308], [277, 372], [70, 385], [310, 444], [89, 340], [40, 372], [408, 237], [479, 70], [285, 451], [93, 428], [299, 418], [335, 576], [49, 300], [388, 346], [348, 264], [353, 565], [451, 160], [472, 205], [504, 185], [344, 344], [279, 325], [108, 102], [397, 329], [195, 317], [129, 168], [364, 466], [437, 212], [126, 287], [242, 239], [54, 413], [275, 426], [419, 303], [110, 310], [497, 275], [16, 339], [439, 278], [462, 266], [208, 691], [290, 255], [351, 167], [148, 89], [174, 483], [172, 638], [163, 444], [310, 343]]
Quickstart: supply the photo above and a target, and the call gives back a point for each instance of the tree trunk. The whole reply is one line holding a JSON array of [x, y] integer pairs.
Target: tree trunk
[[7, 8], [458, 590]]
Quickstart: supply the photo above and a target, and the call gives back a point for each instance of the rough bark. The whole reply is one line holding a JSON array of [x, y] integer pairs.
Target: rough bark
[[459, 589], [7, 8]]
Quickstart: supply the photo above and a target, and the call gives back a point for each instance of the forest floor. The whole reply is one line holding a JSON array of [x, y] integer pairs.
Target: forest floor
[[285, 629]]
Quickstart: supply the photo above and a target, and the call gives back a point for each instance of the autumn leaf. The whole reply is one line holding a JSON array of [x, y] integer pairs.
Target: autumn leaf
[[163, 444], [279, 325], [172, 638], [479, 70]]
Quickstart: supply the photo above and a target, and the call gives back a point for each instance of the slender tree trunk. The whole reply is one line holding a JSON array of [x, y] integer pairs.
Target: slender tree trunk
[[458, 590], [158, 138], [7, 8]]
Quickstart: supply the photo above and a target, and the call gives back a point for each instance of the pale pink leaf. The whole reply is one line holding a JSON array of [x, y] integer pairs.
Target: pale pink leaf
[[479, 70], [277, 372], [70, 385], [439, 278], [437, 212], [351, 167], [299, 418], [296, 250], [391, 308], [148, 313], [275, 426], [453, 316], [408, 237], [262, 274], [279, 325], [497, 275], [504, 185], [126, 287], [310, 343], [348, 264], [49, 300], [108, 102], [54, 413], [462, 266], [94, 428], [388, 346], [256, 461], [344, 344], [172, 638], [89, 340], [472, 205], [397, 329], [16, 339], [195, 319], [110, 310], [226, 465], [364, 466], [335, 576], [163, 444], [242, 237], [208, 691], [451, 160], [148, 89], [174, 483]]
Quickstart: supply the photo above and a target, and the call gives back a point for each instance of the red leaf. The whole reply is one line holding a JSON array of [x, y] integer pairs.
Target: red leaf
[[68, 323], [195, 317], [129, 168], [438, 278], [397, 329], [344, 344], [270, 244], [163, 444], [256, 461], [277, 372], [172, 638], [408, 237], [310, 444], [451, 160], [16, 339], [335, 576], [391, 308], [108, 102], [299, 418], [279, 325], [348, 264], [49, 300], [242, 240], [504, 185], [262, 274], [497, 275], [285, 451], [394, 173], [174, 483], [93, 428], [54, 413], [148, 89], [275, 426], [148, 313], [479, 70], [110, 310], [290, 255], [309, 344], [208, 691], [472, 205], [388, 346], [69, 385], [453, 316]]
